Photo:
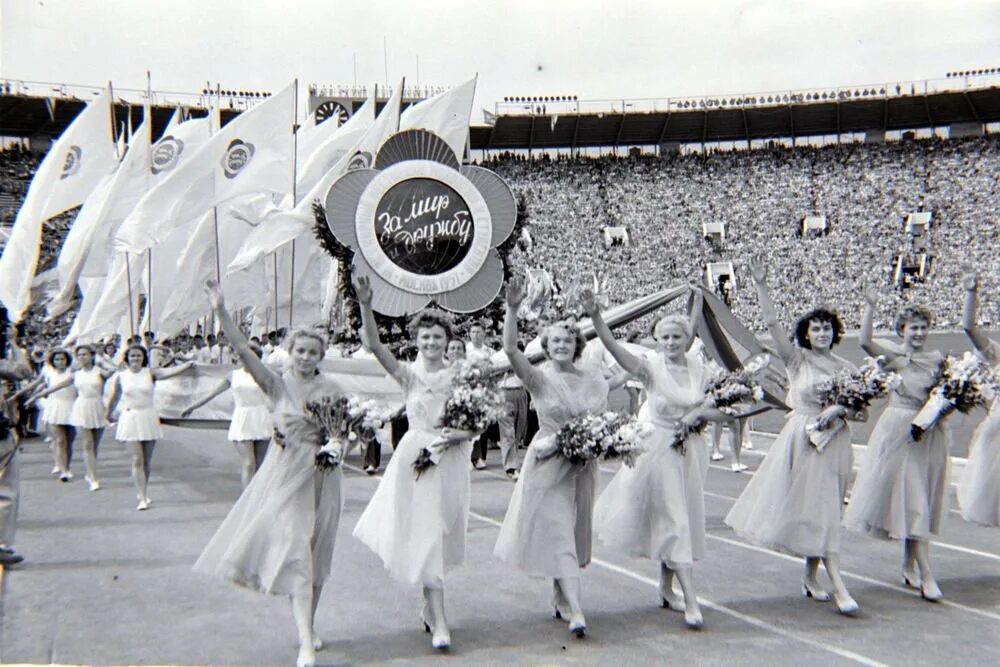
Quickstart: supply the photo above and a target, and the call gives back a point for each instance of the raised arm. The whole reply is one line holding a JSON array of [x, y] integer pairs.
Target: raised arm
[[518, 362], [866, 336], [785, 349], [165, 373], [369, 329], [970, 282], [265, 378], [218, 389], [28, 388], [626, 359], [51, 390]]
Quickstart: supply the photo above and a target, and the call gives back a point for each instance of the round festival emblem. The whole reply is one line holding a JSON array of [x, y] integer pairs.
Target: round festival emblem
[[237, 157], [424, 227], [360, 160], [72, 163], [166, 153]]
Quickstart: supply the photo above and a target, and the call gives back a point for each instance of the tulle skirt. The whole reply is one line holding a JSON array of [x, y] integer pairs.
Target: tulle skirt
[[900, 489], [88, 413], [251, 423], [657, 509], [138, 424], [548, 529], [417, 526], [794, 502], [979, 492], [58, 411], [279, 536]]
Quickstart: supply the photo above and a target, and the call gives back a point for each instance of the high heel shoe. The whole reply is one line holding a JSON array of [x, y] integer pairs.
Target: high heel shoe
[[816, 594], [672, 602], [441, 641], [423, 619], [578, 625], [930, 591], [846, 605], [693, 619], [910, 579]]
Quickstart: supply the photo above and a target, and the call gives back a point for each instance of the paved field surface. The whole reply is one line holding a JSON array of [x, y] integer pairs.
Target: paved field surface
[[104, 584]]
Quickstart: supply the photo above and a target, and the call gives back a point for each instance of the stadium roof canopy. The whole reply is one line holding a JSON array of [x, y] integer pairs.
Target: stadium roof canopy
[[29, 116]]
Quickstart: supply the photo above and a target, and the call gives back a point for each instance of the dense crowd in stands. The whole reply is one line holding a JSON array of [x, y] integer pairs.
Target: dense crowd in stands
[[864, 190]]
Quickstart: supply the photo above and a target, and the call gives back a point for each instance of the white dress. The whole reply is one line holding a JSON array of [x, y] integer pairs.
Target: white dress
[[548, 528], [251, 418], [88, 408], [59, 404], [279, 536], [979, 491], [657, 509], [417, 526], [137, 420]]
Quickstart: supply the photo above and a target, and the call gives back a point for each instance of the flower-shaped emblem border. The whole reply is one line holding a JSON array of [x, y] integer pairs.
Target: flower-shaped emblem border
[[469, 284]]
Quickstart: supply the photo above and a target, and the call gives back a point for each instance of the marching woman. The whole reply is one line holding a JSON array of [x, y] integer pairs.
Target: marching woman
[[657, 509], [250, 426], [417, 526], [794, 502], [279, 536], [899, 493], [87, 414], [548, 529], [57, 409], [979, 491], [138, 423]]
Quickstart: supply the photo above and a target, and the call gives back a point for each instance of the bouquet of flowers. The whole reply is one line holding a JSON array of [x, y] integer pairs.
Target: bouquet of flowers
[[724, 391], [608, 434], [475, 402], [853, 390], [340, 419], [963, 383]]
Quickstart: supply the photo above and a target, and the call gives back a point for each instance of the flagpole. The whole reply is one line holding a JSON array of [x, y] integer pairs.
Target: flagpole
[[111, 103], [215, 209], [275, 290], [147, 113], [131, 305], [295, 201]]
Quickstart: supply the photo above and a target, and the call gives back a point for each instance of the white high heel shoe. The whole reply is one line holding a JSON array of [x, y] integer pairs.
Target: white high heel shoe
[[578, 625]]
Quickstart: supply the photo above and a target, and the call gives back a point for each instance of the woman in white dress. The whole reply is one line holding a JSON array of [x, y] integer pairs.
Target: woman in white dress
[[979, 490], [139, 423], [548, 529], [657, 509], [899, 493], [251, 425], [87, 413], [794, 502], [417, 526], [57, 409], [279, 536]]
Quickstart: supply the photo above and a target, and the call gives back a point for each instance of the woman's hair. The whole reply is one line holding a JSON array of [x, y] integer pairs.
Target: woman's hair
[[429, 317], [909, 313], [306, 333], [818, 315], [677, 320], [459, 341], [145, 353], [581, 342], [55, 353], [83, 346]]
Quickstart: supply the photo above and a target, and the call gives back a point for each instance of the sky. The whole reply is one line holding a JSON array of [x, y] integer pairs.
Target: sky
[[622, 49]]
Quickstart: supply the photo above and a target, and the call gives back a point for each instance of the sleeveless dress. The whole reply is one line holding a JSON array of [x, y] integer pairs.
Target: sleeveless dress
[[251, 418], [794, 502], [137, 420], [657, 509], [548, 529], [417, 526], [979, 492], [88, 408], [900, 489], [279, 536], [59, 404]]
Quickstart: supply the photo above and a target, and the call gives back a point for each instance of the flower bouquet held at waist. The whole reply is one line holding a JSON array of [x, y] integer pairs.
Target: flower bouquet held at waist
[[474, 403], [853, 391], [609, 435], [341, 419], [963, 383], [725, 391]]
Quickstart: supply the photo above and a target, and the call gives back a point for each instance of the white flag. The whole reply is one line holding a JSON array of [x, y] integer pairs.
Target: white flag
[[80, 158], [123, 281], [283, 226], [253, 153], [446, 115]]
